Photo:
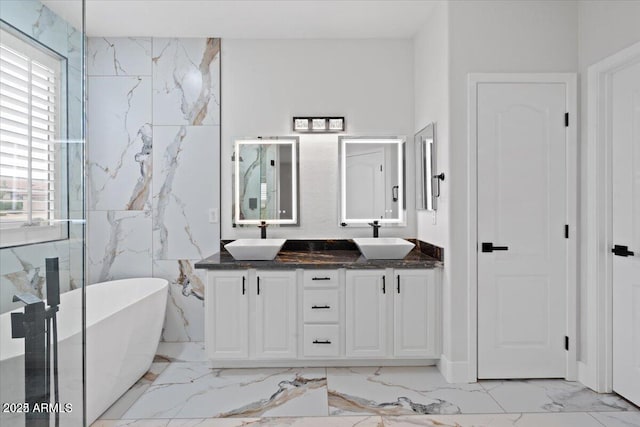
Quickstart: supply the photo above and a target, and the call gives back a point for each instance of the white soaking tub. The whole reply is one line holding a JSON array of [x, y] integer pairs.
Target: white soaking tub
[[124, 323]]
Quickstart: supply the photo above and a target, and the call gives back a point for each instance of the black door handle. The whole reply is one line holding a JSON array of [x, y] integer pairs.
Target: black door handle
[[620, 250], [321, 342], [488, 247], [243, 287], [384, 285], [258, 285], [321, 278], [320, 307]]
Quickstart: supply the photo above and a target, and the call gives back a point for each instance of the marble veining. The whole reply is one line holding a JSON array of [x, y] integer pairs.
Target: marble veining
[[618, 419], [117, 410], [171, 159], [180, 223], [120, 56], [156, 104], [120, 245], [292, 259], [195, 390], [400, 396], [23, 270], [287, 390], [344, 403], [141, 191], [181, 352], [184, 319], [186, 74], [402, 391], [28, 280], [552, 396], [46, 19], [121, 140]]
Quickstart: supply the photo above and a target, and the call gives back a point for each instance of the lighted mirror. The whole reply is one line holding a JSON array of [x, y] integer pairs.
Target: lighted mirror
[[266, 181], [372, 180], [427, 180]]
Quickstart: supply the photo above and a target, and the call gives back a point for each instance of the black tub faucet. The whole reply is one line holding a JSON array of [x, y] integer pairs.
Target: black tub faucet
[[263, 229], [375, 226]]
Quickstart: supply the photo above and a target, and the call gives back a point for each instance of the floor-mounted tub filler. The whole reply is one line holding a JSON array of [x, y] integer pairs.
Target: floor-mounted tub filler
[[124, 323]]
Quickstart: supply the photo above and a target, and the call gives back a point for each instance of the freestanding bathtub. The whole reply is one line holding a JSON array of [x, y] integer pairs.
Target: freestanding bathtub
[[124, 322]]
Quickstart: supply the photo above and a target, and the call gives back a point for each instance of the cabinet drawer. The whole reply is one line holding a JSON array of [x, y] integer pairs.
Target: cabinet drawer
[[321, 306], [321, 278], [321, 340]]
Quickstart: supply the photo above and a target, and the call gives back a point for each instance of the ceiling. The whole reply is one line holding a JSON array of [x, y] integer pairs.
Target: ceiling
[[265, 19]]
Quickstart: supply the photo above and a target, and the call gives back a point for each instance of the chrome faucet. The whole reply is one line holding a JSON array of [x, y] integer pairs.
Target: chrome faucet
[[263, 229], [375, 226]]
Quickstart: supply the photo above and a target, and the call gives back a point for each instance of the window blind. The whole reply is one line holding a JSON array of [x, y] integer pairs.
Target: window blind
[[29, 129]]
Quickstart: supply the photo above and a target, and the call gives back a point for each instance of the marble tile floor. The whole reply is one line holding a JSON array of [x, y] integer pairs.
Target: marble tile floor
[[182, 389]]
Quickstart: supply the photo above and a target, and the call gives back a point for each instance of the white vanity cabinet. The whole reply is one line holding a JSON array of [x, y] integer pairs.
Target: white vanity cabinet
[[321, 311], [246, 307], [318, 317], [227, 315], [275, 321], [415, 314], [392, 313], [366, 313]]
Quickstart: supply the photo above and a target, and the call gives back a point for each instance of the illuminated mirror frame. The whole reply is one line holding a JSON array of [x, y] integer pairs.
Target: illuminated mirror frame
[[399, 142], [293, 141]]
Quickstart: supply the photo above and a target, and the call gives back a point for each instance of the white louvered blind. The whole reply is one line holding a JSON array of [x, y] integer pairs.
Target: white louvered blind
[[29, 128]]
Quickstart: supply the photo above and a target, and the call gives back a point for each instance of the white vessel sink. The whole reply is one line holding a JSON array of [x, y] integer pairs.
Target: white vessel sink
[[383, 247], [254, 249]]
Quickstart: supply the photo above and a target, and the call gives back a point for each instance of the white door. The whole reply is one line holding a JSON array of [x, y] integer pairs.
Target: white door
[[522, 282], [415, 302], [366, 311], [227, 313], [275, 295], [365, 184], [626, 232]]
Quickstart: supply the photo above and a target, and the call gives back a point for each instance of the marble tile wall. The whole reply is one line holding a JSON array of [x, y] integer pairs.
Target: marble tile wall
[[153, 167], [22, 269]]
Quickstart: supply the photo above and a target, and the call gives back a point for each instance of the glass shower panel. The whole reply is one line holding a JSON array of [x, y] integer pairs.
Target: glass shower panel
[[42, 213]]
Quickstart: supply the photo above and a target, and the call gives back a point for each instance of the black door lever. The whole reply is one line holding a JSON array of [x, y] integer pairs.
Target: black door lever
[[488, 247], [620, 250]]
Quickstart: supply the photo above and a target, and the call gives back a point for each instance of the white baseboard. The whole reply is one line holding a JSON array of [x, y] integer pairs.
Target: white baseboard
[[585, 376], [454, 372]]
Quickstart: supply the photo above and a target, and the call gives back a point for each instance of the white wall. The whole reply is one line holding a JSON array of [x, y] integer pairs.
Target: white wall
[[493, 36], [431, 104], [267, 82], [605, 27]]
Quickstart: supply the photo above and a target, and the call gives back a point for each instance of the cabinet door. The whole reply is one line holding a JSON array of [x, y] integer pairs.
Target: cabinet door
[[276, 304], [415, 314], [366, 310], [226, 315]]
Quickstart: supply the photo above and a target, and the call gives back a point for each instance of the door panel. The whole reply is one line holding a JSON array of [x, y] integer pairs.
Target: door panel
[[227, 297], [366, 310], [276, 305], [521, 206], [415, 314], [626, 231]]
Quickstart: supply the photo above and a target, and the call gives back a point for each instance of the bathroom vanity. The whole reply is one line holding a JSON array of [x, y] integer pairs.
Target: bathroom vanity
[[322, 303]]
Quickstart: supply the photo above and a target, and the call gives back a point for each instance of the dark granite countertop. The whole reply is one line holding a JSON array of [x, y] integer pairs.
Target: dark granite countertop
[[320, 254]]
